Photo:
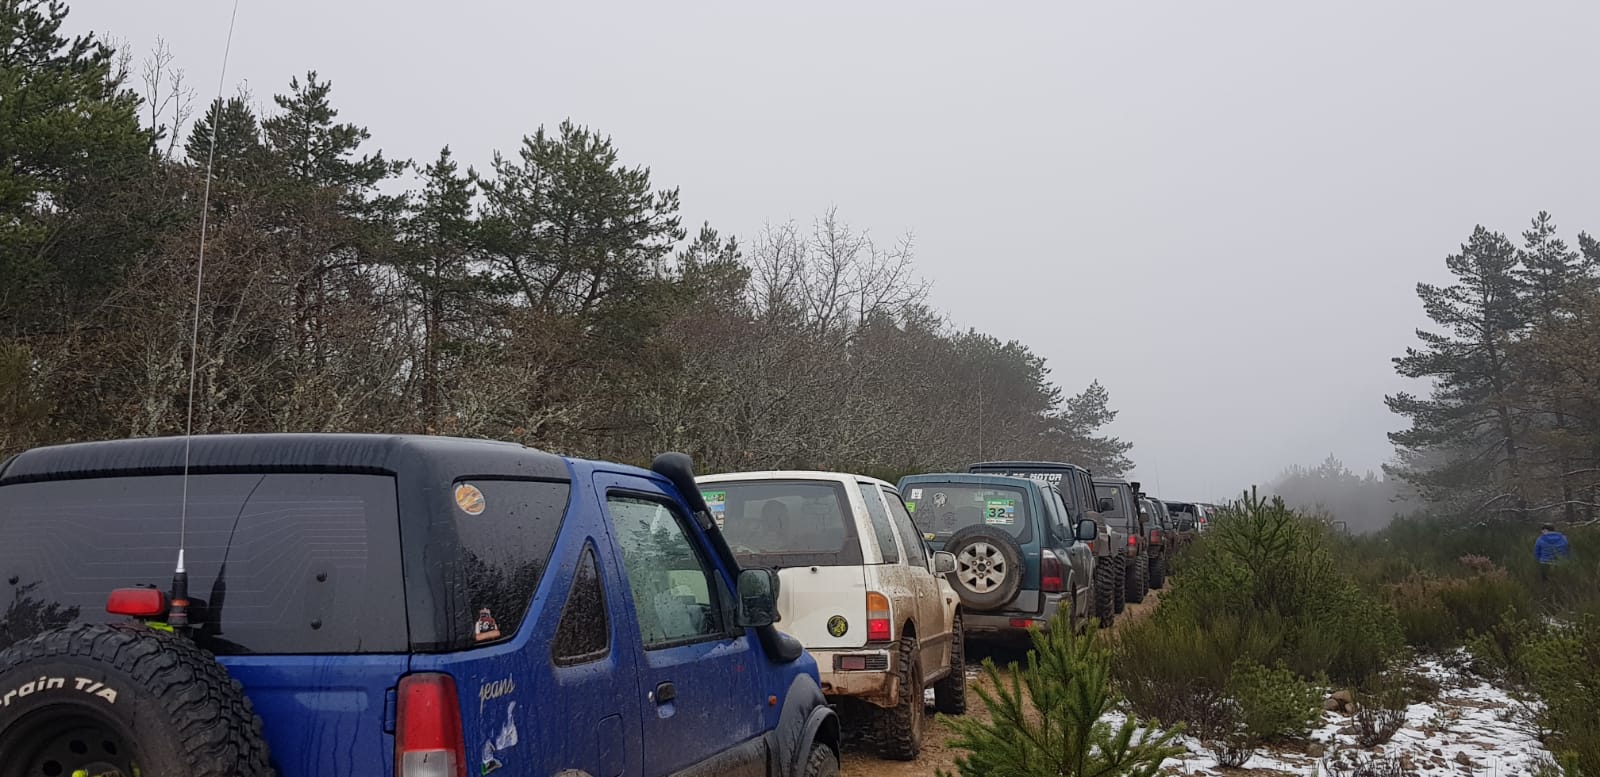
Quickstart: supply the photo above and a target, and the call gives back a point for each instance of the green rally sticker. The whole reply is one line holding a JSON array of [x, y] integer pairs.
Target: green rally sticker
[[717, 503], [1000, 512]]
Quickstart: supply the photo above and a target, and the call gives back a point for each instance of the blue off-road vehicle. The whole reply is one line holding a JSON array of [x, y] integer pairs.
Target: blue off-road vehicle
[[384, 605]]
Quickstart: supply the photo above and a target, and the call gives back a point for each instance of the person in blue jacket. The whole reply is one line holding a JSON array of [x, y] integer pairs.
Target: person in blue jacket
[[1549, 548]]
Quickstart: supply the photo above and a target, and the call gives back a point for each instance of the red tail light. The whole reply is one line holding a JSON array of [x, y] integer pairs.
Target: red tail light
[[1133, 540], [1155, 535], [428, 740], [137, 602], [878, 628], [1052, 576]]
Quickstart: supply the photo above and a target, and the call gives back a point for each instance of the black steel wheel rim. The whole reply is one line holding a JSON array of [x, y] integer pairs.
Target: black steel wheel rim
[[57, 742]]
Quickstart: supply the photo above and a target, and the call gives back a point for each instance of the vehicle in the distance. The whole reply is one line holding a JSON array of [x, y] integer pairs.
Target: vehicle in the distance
[[1165, 541], [1189, 516], [1019, 559], [858, 586], [1076, 488], [1119, 506], [362, 604]]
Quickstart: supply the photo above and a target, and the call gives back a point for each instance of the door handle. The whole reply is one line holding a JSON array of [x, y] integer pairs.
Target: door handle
[[664, 693]]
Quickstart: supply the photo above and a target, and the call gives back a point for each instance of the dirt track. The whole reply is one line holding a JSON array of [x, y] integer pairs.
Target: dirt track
[[860, 761]]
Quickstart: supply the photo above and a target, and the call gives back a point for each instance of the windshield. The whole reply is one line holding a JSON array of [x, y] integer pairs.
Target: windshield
[[785, 523], [942, 509]]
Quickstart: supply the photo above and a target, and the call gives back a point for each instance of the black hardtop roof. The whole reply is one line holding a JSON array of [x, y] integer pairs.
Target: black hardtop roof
[[373, 453], [1028, 465], [1099, 481], [973, 478]]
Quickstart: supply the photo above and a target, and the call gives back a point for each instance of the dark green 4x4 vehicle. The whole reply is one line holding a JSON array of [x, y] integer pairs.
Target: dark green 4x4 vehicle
[[1076, 488], [1018, 557], [1119, 506]]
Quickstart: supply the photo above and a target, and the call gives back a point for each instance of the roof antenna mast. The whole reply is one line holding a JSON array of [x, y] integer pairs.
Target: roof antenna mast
[[178, 614]]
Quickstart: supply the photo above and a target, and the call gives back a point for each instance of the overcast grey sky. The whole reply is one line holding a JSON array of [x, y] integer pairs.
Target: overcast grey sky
[[1231, 201]]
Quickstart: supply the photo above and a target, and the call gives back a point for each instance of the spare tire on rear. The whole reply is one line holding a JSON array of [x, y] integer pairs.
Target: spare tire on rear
[[123, 700], [989, 567]]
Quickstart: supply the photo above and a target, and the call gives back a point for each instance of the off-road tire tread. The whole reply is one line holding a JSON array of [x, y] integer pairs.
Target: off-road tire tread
[[895, 737], [1105, 596], [950, 694], [1139, 580], [822, 762], [1120, 590], [219, 731]]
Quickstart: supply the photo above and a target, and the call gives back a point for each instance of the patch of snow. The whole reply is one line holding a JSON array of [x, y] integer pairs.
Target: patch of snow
[[1473, 728]]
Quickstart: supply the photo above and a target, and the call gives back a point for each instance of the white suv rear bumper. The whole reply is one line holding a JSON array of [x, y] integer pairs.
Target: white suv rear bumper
[[877, 682]]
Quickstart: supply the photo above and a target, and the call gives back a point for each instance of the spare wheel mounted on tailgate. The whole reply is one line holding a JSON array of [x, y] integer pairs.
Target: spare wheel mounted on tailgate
[[120, 700]]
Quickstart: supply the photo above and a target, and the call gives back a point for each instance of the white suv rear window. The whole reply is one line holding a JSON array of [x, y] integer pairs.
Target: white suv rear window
[[786, 523]]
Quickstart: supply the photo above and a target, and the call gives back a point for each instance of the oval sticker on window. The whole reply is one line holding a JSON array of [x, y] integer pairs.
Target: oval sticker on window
[[469, 499]]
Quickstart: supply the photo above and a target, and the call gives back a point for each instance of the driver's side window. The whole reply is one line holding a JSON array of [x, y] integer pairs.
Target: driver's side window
[[673, 585]]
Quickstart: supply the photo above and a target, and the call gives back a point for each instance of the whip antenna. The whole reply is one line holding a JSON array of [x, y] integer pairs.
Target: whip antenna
[[178, 615]]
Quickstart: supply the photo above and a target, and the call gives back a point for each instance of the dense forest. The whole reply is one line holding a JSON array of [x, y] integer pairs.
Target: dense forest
[[555, 298]]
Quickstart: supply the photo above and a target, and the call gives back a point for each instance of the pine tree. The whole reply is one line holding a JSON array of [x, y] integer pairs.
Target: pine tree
[[1076, 430], [572, 227], [1474, 410], [1554, 277], [443, 252], [240, 152], [1548, 270], [71, 146], [313, 149], [1047, 720]]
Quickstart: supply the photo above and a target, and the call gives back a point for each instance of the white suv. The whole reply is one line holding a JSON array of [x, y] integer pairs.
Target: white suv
[[858, 586]]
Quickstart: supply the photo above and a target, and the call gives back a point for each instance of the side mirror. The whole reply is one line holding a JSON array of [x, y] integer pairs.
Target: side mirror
[[1088, 530], [1106, 505], [944, 563], [758, 598], [1138, 488]]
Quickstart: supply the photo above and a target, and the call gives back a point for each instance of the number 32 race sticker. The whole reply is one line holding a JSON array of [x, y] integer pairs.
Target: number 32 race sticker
[[1000, 512]]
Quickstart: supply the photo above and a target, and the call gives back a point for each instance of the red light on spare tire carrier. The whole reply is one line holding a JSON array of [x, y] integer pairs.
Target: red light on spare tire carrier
[[137, 602], [428, 740]]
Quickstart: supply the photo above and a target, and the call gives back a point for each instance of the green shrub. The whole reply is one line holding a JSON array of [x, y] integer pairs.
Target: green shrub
[[1173, 666], [1045, 719], [1274, 704], [1426, 623], [1479, 603], [1381, 709], [1562, 664], [1268, 561]]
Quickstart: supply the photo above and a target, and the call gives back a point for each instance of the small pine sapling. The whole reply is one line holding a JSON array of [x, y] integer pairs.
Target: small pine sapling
[[1048, 719]]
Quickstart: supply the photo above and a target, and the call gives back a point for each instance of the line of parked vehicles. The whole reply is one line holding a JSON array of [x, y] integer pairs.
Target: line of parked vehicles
[[429, 607], [885, 583]]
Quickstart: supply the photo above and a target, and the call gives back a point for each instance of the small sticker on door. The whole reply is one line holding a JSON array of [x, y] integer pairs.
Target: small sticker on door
[[916, 493], [837, 626], [485, 629]]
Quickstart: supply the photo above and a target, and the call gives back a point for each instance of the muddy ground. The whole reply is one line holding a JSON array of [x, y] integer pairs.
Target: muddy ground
[[860, 761]]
